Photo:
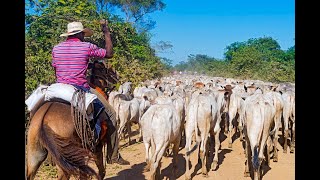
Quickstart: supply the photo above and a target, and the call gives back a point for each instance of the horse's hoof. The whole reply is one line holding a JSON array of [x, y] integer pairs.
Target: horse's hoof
[[292, 151], [246, 174], [285, 151], [230, 145], [214, 165]]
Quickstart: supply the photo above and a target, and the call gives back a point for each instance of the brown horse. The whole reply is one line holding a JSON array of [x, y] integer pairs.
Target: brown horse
[[52, 131]]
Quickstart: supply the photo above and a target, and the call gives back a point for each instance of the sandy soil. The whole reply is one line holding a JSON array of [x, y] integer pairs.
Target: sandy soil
[[230, 166]]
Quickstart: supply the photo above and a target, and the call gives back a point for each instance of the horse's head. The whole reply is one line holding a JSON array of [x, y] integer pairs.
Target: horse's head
[[102, 76]]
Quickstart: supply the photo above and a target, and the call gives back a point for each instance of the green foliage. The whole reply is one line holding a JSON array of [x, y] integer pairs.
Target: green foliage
[[134, 58], [136, 10], [257, 58]]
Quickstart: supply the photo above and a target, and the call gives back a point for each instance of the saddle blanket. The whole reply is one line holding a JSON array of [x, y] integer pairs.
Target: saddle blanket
[[56, 90]]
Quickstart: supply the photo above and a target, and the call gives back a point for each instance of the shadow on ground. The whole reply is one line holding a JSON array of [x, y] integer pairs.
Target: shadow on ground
[[134, 172]]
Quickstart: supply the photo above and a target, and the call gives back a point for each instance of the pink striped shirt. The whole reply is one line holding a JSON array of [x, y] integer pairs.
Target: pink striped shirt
[[70, 60]]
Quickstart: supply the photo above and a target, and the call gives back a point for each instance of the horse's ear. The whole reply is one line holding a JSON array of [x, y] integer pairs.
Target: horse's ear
[[104, 63], [90, 65]]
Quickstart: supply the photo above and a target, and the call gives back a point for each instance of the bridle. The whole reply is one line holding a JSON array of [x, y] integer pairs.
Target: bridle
[[102, 75]]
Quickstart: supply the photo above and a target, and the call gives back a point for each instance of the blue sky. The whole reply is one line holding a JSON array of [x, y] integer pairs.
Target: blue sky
[[209, 26]]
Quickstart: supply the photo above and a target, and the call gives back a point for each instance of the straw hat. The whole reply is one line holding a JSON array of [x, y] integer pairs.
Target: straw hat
[[76, 27]]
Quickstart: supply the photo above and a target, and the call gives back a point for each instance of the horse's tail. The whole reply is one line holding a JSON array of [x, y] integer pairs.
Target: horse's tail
[[68, 154]]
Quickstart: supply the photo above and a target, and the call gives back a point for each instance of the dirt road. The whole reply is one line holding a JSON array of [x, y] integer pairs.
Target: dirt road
[[230, 165]]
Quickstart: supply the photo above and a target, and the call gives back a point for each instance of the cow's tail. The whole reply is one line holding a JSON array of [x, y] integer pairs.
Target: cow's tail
[[196, 130], [255, 158]]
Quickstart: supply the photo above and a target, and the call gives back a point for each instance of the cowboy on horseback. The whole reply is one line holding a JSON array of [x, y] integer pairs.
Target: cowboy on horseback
[[70, 60]]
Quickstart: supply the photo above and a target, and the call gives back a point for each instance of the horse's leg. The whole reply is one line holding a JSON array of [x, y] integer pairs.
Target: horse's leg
[[62, 175], [36, 154], [99, 160]]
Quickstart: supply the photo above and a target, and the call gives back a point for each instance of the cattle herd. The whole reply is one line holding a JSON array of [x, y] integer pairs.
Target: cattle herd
[[199, 108]]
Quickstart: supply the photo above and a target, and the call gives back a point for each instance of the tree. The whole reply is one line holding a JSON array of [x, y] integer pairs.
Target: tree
[[233, 47], [131, 49], [266, 45], [290, 54], [136, 11]]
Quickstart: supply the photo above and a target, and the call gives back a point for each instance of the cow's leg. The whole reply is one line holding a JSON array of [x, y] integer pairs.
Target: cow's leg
[[265, 136], [275, 140], [175, 151], [156, 158], [140, 133], [120, 130], [188, 135], [148, 153], [129, 132], [240, 127], [292, 138], [216, 149], [268, 148], [231, 116], [285, 146], [226, 121], [203, 154], [248, 157], [241, 133], [286, 132]]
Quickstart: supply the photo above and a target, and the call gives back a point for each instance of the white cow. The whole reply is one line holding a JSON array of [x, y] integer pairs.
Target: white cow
[[277, 102], [202, 119], [127, 112], [258, 113], [289, 119], [235, 108], [160, 126]]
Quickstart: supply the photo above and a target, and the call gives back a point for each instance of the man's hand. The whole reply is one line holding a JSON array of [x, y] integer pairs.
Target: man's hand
[[104, 25]]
